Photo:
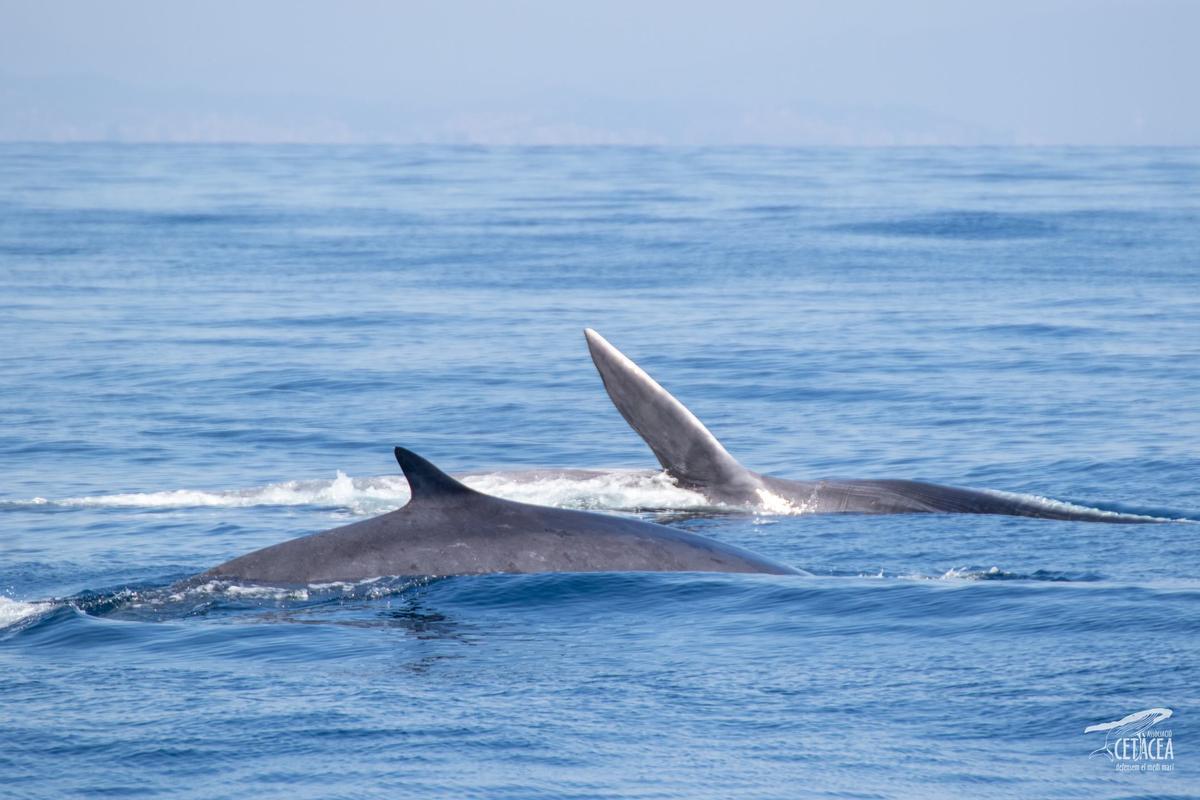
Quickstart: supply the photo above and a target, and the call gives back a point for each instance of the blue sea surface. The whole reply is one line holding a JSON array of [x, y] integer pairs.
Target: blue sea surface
[[209, 349]]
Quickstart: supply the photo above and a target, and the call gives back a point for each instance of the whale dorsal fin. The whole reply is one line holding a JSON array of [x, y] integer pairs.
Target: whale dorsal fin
[[427, 482], [685, 448]]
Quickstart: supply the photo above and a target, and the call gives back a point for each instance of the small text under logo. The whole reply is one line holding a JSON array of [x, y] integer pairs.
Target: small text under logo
[[1137, 742]]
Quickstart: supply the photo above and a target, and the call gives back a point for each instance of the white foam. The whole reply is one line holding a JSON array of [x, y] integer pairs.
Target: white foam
[[264, 592], [618, 489], [952, 574], [358, 494], [13, 611], [250, 592], [771, 503], [967, 574], [368, 587]]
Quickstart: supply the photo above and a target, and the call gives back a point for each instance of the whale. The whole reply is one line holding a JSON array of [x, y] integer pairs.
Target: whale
[[448, 529], [696, 460]]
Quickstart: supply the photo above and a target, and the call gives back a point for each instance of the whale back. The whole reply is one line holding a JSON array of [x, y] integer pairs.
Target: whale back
[[450, 529]]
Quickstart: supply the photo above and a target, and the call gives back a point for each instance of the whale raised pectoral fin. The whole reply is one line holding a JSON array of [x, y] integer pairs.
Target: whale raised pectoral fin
[[684, 447], [693, 456]]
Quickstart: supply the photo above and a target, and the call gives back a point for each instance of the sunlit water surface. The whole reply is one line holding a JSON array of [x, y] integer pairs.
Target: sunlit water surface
[[211, 349]]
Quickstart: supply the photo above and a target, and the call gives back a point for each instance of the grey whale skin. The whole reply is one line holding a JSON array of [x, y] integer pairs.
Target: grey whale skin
[[693, 456], [450, 529]]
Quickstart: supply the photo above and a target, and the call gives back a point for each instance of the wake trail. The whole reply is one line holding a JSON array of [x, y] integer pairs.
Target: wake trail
[[618, 490], [598, 490]]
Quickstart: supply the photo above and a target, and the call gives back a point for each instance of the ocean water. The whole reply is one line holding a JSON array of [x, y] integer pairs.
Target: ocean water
[[208, 349]]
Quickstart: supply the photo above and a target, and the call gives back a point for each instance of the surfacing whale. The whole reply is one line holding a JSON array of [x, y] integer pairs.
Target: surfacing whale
[[693, 456], [450, 529]]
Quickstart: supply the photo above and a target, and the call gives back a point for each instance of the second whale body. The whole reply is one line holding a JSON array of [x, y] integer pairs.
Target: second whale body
[[696, 460]]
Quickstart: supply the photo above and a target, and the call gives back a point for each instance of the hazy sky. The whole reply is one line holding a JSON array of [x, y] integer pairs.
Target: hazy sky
[[772, 72]]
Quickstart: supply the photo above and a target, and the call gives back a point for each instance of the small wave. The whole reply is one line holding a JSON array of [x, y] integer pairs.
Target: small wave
[[13, 612], [618, 490], [965, 225], [966, 573], [1033, 329], [149, 603], [994, 573], [969, 573]]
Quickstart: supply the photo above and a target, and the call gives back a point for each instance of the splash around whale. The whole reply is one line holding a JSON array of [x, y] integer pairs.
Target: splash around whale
[[697, 461], [450, 529]]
